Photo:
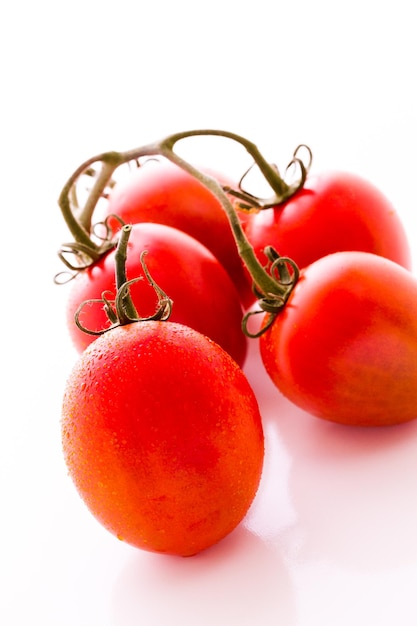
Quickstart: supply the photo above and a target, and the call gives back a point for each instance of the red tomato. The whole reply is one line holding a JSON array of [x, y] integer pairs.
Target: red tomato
[[162, 192], [344, 347], [203, 294], [333, 212], [162, 437]]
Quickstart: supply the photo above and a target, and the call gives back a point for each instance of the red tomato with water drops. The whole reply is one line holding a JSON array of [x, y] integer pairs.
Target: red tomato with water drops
[[344, 347], [162, 192], [162, 437], [334, 211], [202, 292]]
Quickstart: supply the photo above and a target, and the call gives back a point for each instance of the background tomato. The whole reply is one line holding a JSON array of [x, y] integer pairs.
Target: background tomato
[[162, 437], [160, 191], [335, 211], [344, 347], [203, 294]]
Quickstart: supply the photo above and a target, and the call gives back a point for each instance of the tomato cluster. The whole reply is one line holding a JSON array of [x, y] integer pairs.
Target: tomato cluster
[[162, 432]]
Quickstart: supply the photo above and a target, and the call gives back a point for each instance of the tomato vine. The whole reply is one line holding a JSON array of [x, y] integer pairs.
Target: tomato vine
[[272, 284]]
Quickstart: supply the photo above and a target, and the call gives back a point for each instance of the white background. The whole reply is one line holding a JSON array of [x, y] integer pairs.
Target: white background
[[331, 538]]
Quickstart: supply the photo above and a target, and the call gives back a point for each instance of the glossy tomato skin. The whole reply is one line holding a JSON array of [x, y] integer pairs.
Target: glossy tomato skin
[[162, 192], [344, 348], [203, 294], [162, 437], [335, 211]]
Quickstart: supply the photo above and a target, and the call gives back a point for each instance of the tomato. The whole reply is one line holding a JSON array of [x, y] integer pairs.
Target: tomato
[[203, 294], [162, 437], [333, 212], [344, 347], [162, 192]]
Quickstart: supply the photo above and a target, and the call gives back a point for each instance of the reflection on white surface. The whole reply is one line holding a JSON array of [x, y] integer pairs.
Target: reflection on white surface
[[350, 490], [240, 581]]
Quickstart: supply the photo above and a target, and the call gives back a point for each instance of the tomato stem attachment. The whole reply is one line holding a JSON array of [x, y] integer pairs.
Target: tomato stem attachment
[[121, 310], [286, 272]]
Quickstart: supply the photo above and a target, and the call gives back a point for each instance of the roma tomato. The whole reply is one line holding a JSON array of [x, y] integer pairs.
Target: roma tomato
[[333, 212], [162, 192], [344, 347], [162, 437], [203, 294]]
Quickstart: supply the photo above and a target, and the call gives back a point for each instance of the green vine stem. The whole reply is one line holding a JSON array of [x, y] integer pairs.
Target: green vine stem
[[127, 311], [263, 281], [272, 290], [282, 191], [84, 251]]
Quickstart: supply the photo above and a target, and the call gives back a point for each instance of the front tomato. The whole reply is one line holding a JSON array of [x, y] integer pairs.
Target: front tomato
[[162, 437]]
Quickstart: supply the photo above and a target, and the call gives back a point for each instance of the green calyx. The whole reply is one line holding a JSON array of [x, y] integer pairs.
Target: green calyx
[[121, 310]]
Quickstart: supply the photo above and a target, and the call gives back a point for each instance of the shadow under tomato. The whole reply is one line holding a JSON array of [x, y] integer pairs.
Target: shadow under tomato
[[241, 581]]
